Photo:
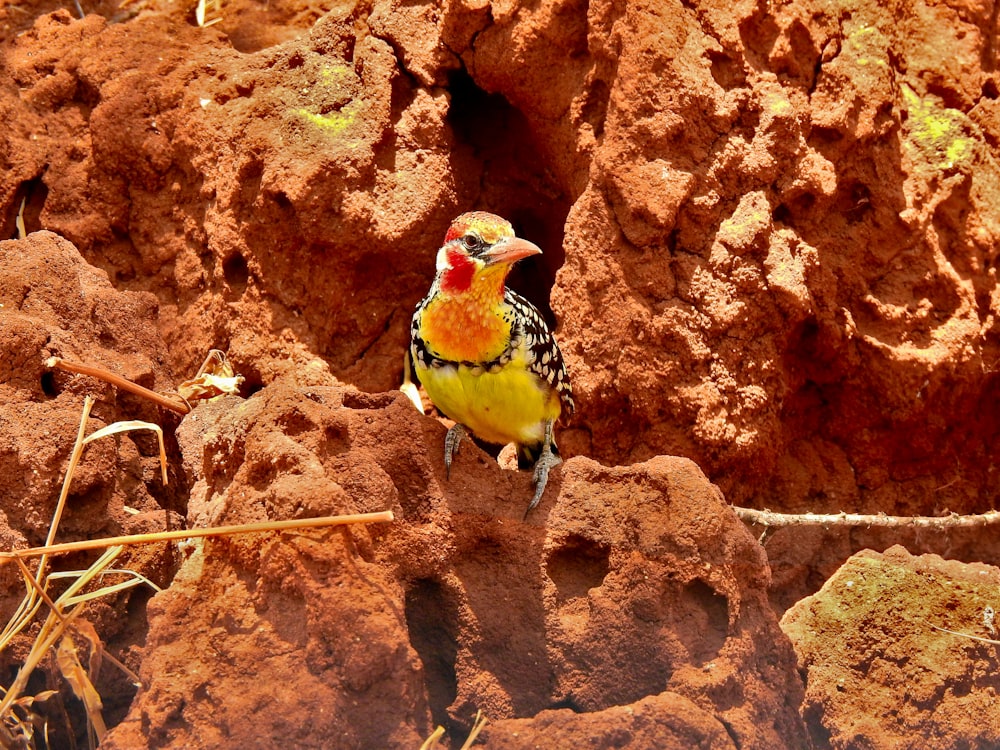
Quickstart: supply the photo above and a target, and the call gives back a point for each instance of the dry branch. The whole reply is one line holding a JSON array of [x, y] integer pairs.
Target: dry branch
[[953, 521], [118, 381]]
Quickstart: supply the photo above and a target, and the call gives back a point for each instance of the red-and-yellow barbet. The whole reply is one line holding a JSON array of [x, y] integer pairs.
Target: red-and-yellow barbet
[[484, 354]]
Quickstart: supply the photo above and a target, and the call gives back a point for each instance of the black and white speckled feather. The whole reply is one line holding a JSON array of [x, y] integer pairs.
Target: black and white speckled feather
[[543, 356]]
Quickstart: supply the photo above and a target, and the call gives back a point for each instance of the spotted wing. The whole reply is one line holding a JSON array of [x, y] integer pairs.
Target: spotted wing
[[543, 355]]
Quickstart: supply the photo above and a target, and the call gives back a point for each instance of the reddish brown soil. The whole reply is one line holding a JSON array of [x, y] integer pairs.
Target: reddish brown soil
[[770, 242], [879, 672]]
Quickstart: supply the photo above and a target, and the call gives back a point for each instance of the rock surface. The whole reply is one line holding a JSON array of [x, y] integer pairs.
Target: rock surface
[[879, 674], [632, 584], [770, 240], [52, 303]]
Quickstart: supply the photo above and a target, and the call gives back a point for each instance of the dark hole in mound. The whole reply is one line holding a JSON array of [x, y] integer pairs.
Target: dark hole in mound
[[48, 383], [236, 272], [577, 566], [517, 181], [432, 624]]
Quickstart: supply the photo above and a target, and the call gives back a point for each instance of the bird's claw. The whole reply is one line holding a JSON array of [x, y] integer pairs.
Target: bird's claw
[[546, 461], [451, 442]]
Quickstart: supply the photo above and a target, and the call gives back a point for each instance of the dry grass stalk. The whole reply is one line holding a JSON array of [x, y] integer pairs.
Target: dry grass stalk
[[431, 743], [57, 630], [29, 605], [18, 719], [60, 618], [68, 661], [133, 424], [294, 524], [979, 638]]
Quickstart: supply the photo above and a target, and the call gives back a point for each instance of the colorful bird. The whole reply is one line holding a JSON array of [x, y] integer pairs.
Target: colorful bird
[[484, 354]]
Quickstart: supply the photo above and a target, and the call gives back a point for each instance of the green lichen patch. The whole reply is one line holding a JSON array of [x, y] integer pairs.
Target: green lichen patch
[[939, 136], [334, 124]]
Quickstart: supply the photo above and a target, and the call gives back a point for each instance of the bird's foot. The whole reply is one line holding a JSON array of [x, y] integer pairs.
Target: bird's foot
[[546, 461], [451, 443]]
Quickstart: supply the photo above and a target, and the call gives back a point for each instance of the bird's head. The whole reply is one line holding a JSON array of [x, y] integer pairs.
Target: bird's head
[[478, 252]]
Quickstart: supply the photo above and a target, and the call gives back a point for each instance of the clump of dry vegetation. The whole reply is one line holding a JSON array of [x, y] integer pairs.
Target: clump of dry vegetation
[[54, 605]]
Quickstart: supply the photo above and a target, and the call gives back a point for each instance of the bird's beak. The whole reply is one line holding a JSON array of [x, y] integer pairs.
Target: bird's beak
[[510, 249]]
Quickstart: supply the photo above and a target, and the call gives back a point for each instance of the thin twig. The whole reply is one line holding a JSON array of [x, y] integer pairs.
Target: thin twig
[[29, 578], [166, 536], [19, 221], [776, 520], [966, 635], [118, 381]]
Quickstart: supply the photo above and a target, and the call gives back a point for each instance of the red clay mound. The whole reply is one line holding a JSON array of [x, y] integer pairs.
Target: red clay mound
[[770, 242]]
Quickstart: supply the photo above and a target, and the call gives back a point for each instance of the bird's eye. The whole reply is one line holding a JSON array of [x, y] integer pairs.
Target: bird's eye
[[471, 241]]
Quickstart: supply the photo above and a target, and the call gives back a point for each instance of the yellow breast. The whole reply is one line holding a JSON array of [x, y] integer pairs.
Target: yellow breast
[[510, 405]]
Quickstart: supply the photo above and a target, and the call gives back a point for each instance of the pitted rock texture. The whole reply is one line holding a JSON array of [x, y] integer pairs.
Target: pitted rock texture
[[52, 303], [626, 585], [772, 232], [770, 240], [880, 674]]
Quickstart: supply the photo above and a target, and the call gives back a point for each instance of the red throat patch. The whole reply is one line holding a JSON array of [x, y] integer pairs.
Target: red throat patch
[[458, 278]]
